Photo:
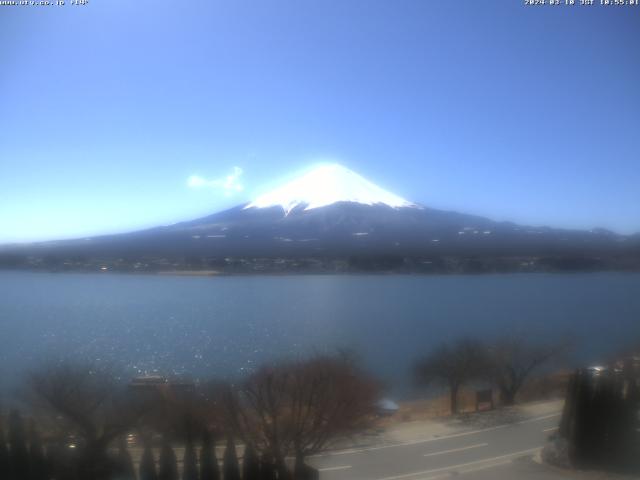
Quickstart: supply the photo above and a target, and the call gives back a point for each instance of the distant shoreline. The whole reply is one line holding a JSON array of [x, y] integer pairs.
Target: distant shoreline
[[379, 273], [188, 273], [202, 266]]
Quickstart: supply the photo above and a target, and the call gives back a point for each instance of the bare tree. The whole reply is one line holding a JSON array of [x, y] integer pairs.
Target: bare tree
[[90, 403], [330, 398], [512, 360], [302, 407], [256, 410], [179, 413], [453, 365]]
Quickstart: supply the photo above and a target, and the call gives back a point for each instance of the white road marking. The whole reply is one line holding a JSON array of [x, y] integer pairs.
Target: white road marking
[[439, 475], [484, 467], [461, 465], [544, 417], [550, 429], [477, 445], [434, 439], [468, 470], [329, 469]]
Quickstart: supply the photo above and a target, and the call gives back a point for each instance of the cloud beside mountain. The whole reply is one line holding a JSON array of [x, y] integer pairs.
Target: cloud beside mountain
[[228, 184]]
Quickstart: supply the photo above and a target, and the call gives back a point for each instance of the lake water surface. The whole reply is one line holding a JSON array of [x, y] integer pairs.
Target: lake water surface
[[227, 325]]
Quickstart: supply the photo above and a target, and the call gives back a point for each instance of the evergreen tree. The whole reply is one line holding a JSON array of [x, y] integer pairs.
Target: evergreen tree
[[302, 471], [281, 468], [190, 462], [38, 470], [4, 456], [567, 421], [54, 461], [267, 467], [598, 420], [126, 470], [61, 462], [209, 469], [230, 466], [583, 429], [168, 469], [18, 452], [147, 469], [250, 464]]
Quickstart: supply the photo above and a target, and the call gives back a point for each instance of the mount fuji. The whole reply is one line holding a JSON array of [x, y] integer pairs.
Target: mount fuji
[[331, 212], [326, 185]]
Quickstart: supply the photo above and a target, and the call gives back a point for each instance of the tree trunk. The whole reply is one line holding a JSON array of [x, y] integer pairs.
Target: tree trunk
[[507, 396], [454, 399], [281, 468]]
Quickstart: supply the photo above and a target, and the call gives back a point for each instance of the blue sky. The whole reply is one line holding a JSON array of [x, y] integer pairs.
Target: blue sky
[[108, 111]]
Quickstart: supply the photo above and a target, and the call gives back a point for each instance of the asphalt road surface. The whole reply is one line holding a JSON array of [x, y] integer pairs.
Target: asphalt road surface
[[499, 452]]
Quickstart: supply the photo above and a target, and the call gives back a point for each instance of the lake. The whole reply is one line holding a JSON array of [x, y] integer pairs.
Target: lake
[[221, 326]]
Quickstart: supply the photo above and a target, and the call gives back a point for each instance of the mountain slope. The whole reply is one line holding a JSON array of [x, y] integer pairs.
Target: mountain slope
[[331, 212]]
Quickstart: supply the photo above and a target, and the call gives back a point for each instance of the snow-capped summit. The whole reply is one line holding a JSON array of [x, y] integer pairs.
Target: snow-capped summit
[[325, 185]]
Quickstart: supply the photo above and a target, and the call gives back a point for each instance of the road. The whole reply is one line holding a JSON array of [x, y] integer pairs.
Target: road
[[493, 453]]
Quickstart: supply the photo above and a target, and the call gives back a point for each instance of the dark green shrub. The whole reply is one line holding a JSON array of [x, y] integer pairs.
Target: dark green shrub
[[4, 456], [37, 460], [302, 471], [230, 466], [599, 420], [267, 467], [124, 462], [190, 462], [168, 469], [209, 469], [250, 464], [147, 469], [18, 452]]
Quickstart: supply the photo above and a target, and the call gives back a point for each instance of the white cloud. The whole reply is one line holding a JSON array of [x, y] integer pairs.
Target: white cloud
[[229, 184]]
